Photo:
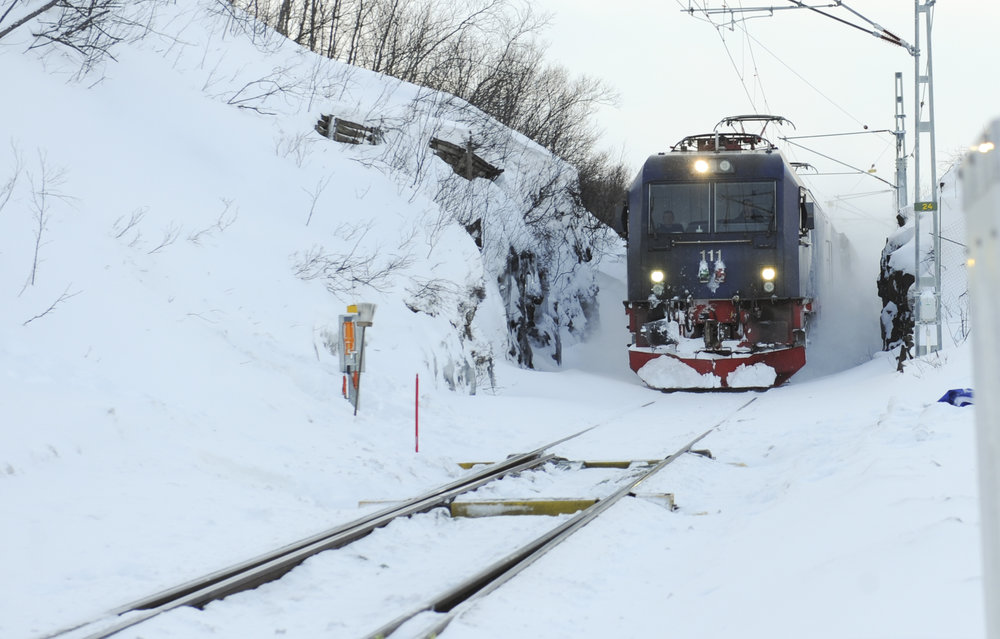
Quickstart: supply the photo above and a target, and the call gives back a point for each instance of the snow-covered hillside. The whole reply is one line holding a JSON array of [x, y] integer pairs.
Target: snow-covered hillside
[[177, 245]]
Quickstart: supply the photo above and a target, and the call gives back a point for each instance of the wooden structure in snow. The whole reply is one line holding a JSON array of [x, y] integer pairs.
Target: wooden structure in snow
[[464, 161], [347, 132]]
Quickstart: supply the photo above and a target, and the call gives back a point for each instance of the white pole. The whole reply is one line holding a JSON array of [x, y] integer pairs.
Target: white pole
[[361, 368], [981, 195]]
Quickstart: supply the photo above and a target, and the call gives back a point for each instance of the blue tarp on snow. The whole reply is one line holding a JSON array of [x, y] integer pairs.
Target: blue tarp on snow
[[958, 397]]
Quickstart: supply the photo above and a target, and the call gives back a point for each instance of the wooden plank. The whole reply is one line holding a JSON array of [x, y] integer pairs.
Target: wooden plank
[[665, 500], [348, 132], [463, 161]]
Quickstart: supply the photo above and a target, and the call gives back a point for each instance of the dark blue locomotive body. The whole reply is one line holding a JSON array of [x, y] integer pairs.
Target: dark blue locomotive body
[[719, 264]]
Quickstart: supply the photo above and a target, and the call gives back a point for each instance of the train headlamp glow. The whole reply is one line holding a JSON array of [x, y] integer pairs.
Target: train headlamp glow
[[656, 277], [702, 165], [768, 273]]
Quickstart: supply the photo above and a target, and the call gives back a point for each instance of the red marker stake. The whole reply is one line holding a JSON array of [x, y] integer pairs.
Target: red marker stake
[[416, 416]]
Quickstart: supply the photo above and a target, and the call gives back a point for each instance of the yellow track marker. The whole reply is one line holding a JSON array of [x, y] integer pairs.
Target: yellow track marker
[[495, 507]]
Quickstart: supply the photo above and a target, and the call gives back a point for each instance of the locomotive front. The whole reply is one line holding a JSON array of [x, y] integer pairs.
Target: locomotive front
[[718, 260]]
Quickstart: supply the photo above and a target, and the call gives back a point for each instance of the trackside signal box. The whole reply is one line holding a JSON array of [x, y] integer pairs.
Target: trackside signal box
[[350, 358], [348, 342], [352, 348]]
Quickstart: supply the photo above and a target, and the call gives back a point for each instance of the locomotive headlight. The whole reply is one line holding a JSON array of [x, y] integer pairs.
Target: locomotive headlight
[[701, 166], [725, 166], [657, 277], [768, 273]]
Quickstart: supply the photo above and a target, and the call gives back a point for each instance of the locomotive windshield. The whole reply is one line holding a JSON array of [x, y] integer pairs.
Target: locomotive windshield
[[703, 207], [678, 208], [744, 206]]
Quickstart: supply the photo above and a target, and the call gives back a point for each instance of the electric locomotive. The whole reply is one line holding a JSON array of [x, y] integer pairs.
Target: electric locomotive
[[719, 262]]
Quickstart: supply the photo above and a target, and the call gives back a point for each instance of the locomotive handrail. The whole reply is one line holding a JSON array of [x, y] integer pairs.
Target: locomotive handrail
[[717, 141], [743, 241]]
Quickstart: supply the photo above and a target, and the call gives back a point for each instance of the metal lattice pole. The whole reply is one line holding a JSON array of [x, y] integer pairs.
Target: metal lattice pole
[[900, 134], [926, 286]]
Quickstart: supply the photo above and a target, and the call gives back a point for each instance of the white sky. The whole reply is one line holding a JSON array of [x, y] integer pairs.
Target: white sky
[[675, 78]]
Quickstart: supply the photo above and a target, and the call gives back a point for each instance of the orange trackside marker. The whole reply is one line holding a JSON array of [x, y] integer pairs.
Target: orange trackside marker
[[348, 337], [343, 390]]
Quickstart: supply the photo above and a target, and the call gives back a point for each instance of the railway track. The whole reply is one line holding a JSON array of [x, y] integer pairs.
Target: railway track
[[445, 605]]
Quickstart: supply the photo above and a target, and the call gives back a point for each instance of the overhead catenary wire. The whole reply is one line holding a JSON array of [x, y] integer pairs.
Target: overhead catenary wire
[[843, 173], [855, 196], [847, 210], [832, 159], [803, 5], [877, 30], [834, 135], [738, 74], [779, 59], [756, 70], [812, 86], [701, 7]]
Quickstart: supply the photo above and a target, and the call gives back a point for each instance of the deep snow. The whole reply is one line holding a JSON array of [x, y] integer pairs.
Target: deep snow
[[178, 410]]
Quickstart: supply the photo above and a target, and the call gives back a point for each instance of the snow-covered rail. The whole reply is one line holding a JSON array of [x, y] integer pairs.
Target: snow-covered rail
[[455, 600], [511, 549], [271, 566]]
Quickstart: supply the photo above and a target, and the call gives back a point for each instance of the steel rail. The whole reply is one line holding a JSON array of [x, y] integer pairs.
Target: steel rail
[[421, 503], [272, 565], [428, 500], [458, 598], [255, 572]]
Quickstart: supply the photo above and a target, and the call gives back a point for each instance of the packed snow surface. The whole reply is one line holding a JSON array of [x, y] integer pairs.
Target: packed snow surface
[[171, 404]]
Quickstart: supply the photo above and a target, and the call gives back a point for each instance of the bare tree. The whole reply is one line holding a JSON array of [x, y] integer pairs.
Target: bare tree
[[7, 189], [170, 235], [62, 298], [314, 195], [298, 146], [226, 219], [603, 185], [121, 226], [44, 188], [31, 15], [345, 271], [254, 95], [250, 18], [91, 28]]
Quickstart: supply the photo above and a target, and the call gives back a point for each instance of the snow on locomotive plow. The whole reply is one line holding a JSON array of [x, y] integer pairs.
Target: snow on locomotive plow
[[720, 263]]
